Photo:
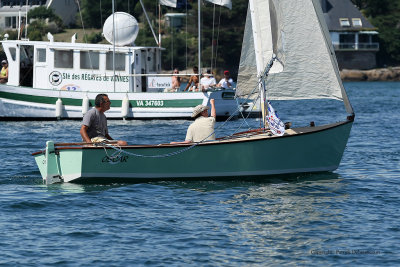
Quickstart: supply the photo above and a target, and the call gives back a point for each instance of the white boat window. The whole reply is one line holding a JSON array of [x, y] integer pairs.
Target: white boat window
[[119, 61], [63, 59], [13, 52], [89, 60], [41, 55]]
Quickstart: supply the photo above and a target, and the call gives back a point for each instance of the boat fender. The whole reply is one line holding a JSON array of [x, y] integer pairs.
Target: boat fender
[[125, 107], [85, 105], [59, 108]]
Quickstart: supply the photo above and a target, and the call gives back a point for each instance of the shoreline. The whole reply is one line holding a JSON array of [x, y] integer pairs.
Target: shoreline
[[381, 74]]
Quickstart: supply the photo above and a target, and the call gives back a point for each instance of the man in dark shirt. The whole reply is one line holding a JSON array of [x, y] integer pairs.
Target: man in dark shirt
[[94, 125]]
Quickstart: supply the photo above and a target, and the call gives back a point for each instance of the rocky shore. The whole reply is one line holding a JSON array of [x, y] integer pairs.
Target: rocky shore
[[386, 74]]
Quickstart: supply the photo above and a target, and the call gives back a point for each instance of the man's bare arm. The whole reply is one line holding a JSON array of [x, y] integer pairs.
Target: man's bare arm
[[213, 111], [84, 134]]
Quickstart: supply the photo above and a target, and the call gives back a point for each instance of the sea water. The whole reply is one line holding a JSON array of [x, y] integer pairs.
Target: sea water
[[348, 217]]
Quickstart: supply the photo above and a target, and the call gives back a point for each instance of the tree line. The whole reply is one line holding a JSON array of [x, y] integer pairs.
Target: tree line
[[222, 29]]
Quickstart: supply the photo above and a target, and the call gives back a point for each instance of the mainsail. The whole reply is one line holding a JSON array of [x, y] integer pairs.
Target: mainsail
[[295, 31]]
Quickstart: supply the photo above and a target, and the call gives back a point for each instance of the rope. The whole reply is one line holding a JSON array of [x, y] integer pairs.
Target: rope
[[216, 48], [212, 39], [119, 150], [85, 36]]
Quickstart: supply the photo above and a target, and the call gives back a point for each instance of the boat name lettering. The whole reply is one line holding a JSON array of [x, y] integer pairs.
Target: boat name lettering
[[117, 159], [95, 77], [150, 103]]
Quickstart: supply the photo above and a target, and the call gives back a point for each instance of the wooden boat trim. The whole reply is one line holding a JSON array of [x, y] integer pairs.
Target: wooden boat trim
[[258, 136]]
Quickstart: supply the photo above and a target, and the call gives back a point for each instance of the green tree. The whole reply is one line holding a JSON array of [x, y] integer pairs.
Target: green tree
[[95, 12], [385, 15], [45, 13]]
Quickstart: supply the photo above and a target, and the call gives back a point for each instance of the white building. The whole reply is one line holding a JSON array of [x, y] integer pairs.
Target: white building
[[11, 10]]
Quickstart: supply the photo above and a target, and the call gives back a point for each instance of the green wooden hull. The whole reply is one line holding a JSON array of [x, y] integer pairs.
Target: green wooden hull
[[312, 150]]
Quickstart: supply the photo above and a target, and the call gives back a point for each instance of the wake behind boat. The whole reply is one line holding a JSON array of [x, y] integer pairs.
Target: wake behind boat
[[286, 55]]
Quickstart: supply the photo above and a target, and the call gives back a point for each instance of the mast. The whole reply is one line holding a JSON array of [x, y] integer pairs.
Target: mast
[[259, 63], [199, 38], [113, 12], [26, 19]]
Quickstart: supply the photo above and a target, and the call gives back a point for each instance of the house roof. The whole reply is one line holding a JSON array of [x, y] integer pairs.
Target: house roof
[[335, 10]]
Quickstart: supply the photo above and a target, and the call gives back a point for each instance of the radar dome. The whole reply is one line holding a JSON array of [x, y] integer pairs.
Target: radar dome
[[126, 29]]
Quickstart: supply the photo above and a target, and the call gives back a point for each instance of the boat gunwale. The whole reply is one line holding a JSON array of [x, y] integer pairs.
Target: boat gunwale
[[85, 146]]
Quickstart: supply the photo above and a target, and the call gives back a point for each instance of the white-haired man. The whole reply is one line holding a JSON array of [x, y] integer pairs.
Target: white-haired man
[[202, 129]]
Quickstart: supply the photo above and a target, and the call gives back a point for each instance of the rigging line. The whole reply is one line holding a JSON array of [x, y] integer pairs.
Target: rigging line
[[172, 43], [216, 48], [101, 14], [85, 35], [260, 80], [120, 150], [212, 39], [186, 26]]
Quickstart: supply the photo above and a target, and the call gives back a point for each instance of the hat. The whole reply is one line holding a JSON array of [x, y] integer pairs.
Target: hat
[[198, 109], [208, 73], [4, 61], [226, 72]]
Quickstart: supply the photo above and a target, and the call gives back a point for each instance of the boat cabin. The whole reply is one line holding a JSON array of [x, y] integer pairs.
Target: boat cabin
[[80, 67]]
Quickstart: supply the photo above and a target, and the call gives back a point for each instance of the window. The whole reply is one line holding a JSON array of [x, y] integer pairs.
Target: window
[[364, 38], [11, 22], [89, 60], [119, 61], [13, 52], [344, 22], [41, 55], [63, 59], [357, 22], [347, 38]]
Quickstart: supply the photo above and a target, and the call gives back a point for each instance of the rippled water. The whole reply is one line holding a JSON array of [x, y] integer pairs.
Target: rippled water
[[348, 217]]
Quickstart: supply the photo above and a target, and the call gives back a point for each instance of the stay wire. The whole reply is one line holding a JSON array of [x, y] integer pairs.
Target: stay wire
[[120, 150]]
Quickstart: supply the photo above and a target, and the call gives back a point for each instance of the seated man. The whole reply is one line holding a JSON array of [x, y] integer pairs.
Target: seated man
[[4, 72], [207, 81], [202, 129], [226, 82], [193, 79], [94, 125]]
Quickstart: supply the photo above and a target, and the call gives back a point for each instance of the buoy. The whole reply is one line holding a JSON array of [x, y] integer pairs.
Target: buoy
[[85, 105], [59, 108], [125, 107]]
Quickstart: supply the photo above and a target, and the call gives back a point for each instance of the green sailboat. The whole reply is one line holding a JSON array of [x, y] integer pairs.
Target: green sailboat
[[287, 54]]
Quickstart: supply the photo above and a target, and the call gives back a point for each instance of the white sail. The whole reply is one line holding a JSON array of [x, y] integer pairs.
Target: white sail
[[225, 3], [171, 3], [300, 39]]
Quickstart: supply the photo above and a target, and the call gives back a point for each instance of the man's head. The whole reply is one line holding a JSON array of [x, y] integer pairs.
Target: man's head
[[195, 69], [208, 73], [103, 102], [176, 71], [4, 63], [226, 73], [200, 110]]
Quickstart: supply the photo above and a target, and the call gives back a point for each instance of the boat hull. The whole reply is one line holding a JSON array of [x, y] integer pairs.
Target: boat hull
[[18, 103], [314, 151]]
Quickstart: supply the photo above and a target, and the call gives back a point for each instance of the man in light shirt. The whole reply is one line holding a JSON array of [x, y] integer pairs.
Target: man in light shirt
[[226, 82], [207, 81], [202, 129]]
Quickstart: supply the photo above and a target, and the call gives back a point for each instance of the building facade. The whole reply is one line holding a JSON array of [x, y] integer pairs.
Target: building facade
[[13, 12], [354, 38]]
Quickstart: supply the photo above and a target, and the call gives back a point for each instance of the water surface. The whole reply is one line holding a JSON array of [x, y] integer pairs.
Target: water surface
[[345, 218]]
